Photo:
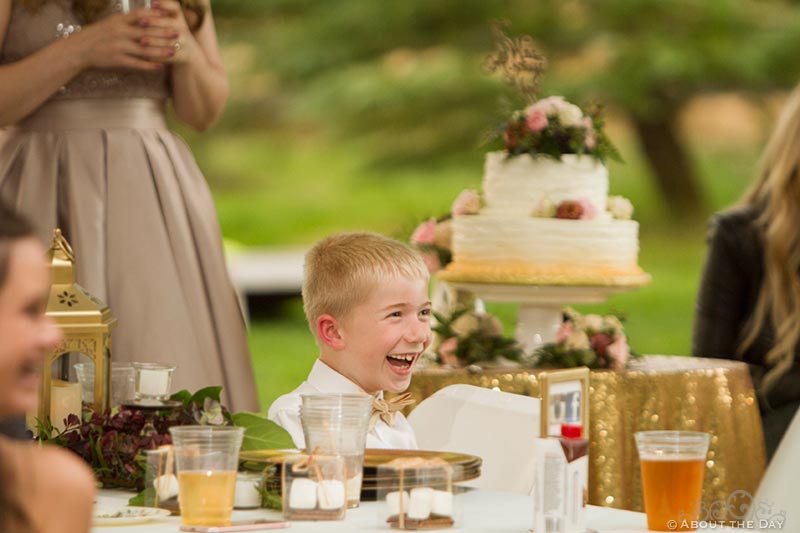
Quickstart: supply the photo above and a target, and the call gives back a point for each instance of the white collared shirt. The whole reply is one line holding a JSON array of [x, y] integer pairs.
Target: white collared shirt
[[285, 411]]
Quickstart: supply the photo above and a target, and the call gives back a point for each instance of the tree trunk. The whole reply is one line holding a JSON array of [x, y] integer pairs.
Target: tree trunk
[[671, 165]]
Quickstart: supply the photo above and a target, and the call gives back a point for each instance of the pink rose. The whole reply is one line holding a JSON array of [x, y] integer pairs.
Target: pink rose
[[447, 351], [467, 203], [537, 120], [618, 353], [564, 332], [589, 211], [425, 232], [431, 260]]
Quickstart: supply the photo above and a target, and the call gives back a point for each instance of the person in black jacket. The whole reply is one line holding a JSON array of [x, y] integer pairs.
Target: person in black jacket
[[748, 306]]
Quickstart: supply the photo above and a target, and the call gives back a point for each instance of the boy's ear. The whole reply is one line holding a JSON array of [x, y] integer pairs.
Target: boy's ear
[[329, 333]]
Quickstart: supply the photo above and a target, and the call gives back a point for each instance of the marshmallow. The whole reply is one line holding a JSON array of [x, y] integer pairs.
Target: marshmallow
[[330, 493], [419, 505], [303, 494], [167, 486], [393, 501], [354, 488], [442, 503]]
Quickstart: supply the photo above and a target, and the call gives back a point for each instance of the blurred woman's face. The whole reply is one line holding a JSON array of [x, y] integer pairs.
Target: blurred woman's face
[[26, 334]]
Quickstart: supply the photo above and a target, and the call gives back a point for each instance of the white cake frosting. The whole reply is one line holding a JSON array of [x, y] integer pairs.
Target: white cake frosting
[[504, 243], [515, 186]]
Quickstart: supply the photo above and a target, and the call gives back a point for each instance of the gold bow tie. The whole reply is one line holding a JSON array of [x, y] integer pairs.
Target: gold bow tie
[[386, 409]]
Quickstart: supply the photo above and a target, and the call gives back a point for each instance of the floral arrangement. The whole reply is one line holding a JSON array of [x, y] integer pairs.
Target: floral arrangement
[[553, 127], [592, 340], [472, 337], [433, 237], [112, 444]]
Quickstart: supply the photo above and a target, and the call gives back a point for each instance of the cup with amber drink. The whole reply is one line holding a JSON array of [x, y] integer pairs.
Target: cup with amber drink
[[206, 458], [672, 464]]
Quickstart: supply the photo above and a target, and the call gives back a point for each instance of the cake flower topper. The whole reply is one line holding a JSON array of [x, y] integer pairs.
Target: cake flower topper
[[518, 61], [549, 126]]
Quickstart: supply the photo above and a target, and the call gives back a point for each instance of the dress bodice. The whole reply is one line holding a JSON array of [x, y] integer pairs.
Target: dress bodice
[[28, 31]]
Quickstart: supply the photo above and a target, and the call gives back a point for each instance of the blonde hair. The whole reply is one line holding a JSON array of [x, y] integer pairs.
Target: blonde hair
[[342, 270], [776, 196]]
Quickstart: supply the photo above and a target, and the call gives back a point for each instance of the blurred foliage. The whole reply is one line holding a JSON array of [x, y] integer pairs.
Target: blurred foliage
[[364, 114], [406, 77]]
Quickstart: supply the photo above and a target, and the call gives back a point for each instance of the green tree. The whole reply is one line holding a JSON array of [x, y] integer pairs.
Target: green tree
[[406, 75]]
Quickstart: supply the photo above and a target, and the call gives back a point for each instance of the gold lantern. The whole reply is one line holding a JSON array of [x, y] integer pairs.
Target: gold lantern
[[86, 323]]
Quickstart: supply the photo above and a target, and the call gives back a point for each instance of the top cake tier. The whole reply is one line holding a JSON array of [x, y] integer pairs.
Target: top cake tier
[[515, 186]]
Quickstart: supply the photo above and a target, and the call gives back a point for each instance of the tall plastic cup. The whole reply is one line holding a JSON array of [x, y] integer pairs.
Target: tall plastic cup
[[672, 463], [206, 458], [337, 424]]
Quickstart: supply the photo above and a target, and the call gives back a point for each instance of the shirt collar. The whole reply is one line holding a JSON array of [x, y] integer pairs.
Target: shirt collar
[[325, 379]]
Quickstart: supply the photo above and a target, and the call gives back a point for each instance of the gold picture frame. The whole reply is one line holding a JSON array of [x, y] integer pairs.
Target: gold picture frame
[[562, 393]]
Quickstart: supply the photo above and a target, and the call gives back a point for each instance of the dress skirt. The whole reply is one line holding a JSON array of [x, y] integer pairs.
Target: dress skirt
[[128, 195]]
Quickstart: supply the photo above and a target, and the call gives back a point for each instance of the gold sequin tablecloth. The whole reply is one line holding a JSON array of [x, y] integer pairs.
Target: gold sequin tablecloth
[[657, 392]]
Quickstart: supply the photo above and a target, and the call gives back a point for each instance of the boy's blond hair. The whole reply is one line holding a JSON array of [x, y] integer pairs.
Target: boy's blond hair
[[342, 270]]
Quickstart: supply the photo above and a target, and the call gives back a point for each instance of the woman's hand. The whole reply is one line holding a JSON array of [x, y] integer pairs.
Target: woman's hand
[[121, 41], [175, 42]]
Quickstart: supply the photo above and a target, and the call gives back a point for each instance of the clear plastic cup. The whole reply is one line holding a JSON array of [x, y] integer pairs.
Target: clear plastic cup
[[206, 458], [673, 464], [337, 424], [123, 380], [160, 481]]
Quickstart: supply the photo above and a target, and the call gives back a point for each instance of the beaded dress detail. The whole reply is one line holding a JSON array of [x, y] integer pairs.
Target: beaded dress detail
[[98, 161]]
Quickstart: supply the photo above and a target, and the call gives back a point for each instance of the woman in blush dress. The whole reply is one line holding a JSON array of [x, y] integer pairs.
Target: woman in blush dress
[[83, 90]]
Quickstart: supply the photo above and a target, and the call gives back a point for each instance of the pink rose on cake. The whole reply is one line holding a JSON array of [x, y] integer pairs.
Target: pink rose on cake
[[425, 232], [468, 202], [433, 238], [555, 106], [537, 120]]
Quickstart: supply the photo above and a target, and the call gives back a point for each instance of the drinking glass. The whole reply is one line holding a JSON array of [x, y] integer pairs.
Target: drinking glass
[[206, 458], [123, 379], [672, 464], [153, 381], [126, 6], [336, 424]]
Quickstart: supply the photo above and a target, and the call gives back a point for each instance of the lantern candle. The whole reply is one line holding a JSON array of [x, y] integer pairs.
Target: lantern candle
[[65, 400]]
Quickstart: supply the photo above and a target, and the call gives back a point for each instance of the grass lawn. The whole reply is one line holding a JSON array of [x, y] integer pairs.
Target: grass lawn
[[274, 191]]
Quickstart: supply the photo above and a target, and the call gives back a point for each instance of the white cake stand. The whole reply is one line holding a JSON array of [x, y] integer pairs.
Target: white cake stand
[[539, 305]]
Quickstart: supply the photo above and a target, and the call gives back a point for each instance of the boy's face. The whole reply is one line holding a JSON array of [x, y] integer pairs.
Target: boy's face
[[385, 335], [26, 334]]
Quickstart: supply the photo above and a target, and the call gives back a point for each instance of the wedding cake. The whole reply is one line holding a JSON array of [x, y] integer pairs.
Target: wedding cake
[[545, 216]]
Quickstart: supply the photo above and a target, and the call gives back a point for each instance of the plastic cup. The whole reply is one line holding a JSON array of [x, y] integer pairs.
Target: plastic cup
[[206, 458], [160, 481], [673, 464], [123, 378], [336, 424]]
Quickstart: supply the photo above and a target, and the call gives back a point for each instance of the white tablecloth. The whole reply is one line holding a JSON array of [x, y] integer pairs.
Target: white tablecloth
[[484, 511]]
